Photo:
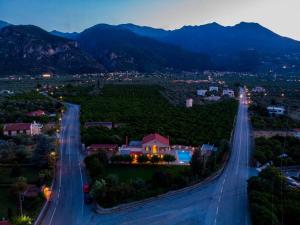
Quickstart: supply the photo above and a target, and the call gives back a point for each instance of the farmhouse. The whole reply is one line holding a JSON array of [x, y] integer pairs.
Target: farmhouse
[[13, 129]]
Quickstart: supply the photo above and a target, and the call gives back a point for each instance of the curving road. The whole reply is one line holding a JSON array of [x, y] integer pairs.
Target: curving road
[[222, 201]]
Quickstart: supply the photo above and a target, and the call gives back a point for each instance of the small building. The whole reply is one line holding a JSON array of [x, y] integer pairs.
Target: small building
[[108, 125], [109, 149], [213, 88], [207, 149], [37, 113], [297, 132], [201, 92], [228, 92], [258, 90], [13, 129], [276, 110], [189, 103], [155, 144]]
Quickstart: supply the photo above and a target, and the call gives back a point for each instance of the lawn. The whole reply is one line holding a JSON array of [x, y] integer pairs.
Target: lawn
[[126, 173]]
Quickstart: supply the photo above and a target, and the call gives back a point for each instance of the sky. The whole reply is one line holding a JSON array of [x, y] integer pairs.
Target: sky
[[281, 16]]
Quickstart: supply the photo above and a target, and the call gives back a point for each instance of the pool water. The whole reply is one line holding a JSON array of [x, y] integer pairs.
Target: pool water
[[183, 156]]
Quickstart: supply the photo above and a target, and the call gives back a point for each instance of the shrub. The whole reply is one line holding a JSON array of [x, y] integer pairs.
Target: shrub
[[142, 159]]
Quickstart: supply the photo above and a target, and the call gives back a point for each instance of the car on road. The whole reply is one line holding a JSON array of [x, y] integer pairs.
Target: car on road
[[86, 188]]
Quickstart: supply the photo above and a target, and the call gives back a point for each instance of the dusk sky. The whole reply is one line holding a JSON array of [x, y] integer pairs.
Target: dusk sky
[[281, 16]]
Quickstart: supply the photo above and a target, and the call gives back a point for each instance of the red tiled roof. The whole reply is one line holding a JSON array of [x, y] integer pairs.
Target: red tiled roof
[[102, 146], [36, 113], [156, 137], [16, 126], [5, 223]]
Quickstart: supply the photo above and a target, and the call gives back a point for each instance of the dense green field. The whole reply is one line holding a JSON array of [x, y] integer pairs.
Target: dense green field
[[142, 110]]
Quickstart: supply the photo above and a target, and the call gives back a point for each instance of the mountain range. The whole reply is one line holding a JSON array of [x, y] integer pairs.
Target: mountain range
[[125, 47]]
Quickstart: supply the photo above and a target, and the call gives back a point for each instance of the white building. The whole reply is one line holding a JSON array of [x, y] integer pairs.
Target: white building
[[258, 89], [213, 88], [201, 92], [189, 103], [228, 92], [297, 133], [275, 110]]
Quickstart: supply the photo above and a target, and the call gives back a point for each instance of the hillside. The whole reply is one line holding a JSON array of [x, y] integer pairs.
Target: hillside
[[245, 46], [119, 49], [29, 49]]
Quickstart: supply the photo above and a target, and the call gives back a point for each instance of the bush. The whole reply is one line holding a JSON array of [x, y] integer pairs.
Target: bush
[[94, 166], [154, 159], [169, 158], [142, 159]]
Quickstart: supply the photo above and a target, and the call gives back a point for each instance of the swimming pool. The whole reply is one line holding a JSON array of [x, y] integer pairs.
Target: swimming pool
[[183, 156]]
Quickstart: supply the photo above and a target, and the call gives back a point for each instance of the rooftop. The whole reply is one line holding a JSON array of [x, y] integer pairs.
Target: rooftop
[[156, 137], [16, 126]]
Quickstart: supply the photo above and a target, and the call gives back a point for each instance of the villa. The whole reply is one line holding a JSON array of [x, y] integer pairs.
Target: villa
[[152, 144]]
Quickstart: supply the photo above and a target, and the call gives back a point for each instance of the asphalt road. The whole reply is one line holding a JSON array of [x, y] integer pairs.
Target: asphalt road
[[223, 201], [67, 204]]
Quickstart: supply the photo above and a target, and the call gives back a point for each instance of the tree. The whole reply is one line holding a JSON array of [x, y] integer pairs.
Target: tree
[[154, 159], [169, 158], [97, 188], [142, 159], [197, 162], [20, 186], [94, 166]]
